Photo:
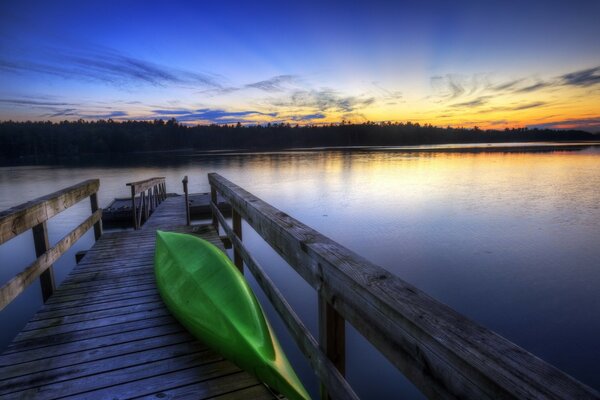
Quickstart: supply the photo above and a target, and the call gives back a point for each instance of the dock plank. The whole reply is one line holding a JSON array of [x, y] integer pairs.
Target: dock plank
[[105, 333]]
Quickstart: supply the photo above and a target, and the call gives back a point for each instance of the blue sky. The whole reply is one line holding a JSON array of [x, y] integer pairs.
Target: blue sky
[[486, 63]]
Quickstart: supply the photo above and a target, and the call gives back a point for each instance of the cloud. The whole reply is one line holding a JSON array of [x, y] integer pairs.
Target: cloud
[[113, 114], [218, 116], [528, 105], [308, 117], [323, 100], [275, 84], [588, 124], [480, 101], [453, 86], [24, 102], [111, 67], [450, 85], [65, 112], [74, 112], [507, 85], [171, 112], [586, 77], [534, 87]]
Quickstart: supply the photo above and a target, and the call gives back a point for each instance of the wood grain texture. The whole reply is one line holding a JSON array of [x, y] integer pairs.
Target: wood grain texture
[[23, 217], [442, 352]]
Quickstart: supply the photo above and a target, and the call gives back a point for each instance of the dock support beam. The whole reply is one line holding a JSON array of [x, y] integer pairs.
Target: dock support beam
[[97, 225], [332, 337], [236, 220], [187, 201], [40, 241]]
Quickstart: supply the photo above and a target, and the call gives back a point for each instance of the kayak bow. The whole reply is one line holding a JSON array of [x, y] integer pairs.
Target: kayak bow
[[210, 297]]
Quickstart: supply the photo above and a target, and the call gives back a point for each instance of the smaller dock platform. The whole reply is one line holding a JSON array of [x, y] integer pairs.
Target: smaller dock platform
[[119, 212]]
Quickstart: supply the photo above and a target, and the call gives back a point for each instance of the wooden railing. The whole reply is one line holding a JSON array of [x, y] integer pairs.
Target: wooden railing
[[445, 355], [151, 193], [33, 215]]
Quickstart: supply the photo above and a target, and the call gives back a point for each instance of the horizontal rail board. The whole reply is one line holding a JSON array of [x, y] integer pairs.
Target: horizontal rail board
[[146, 184], [19, 219], [445, 354]]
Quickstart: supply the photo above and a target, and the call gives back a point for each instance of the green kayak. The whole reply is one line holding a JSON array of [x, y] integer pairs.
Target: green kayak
[[210, 297]]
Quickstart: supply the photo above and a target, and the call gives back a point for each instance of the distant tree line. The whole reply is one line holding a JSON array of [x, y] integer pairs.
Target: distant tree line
[[65, 139]]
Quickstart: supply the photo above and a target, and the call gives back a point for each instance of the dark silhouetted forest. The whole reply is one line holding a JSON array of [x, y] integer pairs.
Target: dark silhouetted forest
[[65, 139]]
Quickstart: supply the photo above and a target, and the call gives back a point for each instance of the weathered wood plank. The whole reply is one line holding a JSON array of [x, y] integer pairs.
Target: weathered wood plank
[[86, 347], [107, 382], [41, 244], [224, 385], [332, 338], [63, 329], [16, 285], [98, 302], [56, 376], [34, 340], [23, 217], [42, 371], [442, 352], [77, 319]]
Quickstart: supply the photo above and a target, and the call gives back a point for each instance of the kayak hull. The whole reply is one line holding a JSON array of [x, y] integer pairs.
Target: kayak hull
[[210, 297]]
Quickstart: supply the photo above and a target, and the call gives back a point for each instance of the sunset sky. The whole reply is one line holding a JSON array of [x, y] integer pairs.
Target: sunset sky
[[493, 64]]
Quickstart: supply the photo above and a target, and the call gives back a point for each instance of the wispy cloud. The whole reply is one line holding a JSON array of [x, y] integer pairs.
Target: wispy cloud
[[308, 117], [322, 100], [219, 116], [586, 77], [25, 102], [453, 86], [108, 66], [534, 87], [528, 105], [590, 124], [480, 101], [275, 84]]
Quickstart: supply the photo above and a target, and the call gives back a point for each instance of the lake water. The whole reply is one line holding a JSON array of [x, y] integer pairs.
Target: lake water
[[509, 238]]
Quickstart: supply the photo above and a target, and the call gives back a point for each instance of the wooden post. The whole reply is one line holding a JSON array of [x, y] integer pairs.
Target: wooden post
[[40, 240], [97, 225], [213, 199], [236, 220], [332, 337], [133, 209], [187, 202]]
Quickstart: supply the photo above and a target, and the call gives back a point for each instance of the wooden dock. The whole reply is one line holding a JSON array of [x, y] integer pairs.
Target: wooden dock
[[105, 333]]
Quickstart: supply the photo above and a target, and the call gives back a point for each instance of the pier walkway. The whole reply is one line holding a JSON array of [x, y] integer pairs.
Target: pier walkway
[[105, 333]]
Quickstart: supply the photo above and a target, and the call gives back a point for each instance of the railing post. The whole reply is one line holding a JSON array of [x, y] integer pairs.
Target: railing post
[[40, 240], [134, 208], [213, 199], [332, 337], [236, 220], [97, 225], [187, 203]]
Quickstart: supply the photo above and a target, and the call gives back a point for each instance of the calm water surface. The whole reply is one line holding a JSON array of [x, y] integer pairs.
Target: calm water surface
[[510, 239]]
